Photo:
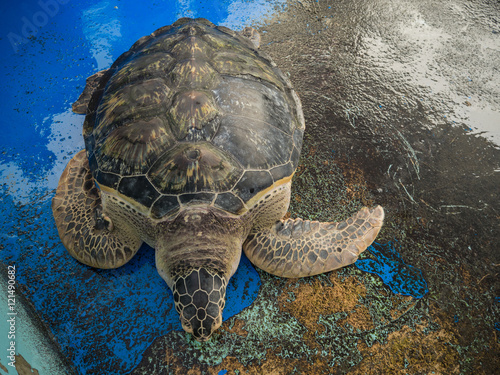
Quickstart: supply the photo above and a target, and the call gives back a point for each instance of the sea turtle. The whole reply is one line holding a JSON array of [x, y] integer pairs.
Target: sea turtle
[[192, 138]]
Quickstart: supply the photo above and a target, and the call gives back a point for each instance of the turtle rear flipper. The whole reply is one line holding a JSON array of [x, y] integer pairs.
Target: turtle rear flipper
[[88, 235], [80, 106], [299, 248], [253, 35]]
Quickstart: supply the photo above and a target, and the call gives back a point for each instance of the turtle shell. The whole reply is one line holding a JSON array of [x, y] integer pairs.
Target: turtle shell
[[193, 114]]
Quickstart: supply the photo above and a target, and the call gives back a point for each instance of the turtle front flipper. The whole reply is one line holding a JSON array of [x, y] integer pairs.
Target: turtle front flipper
[[298, 248], [80, 106], [90, 236]]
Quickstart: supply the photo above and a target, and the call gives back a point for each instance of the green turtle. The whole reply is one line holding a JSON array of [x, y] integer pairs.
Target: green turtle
[[192, 138]]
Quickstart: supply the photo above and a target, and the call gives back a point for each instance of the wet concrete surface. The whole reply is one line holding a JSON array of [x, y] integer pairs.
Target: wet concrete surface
[[401, 101]]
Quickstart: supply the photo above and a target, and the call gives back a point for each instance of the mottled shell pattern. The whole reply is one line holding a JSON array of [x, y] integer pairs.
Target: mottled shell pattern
[[193, 114]]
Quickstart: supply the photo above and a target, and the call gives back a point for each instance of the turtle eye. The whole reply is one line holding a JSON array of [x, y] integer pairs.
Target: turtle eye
[[217, 322]]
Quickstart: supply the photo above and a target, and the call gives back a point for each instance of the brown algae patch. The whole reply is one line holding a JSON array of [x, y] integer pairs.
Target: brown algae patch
[[308, 299], [401, 304], [411, 351], [359, 319], [234, 326], [174, 365], [276, 365]]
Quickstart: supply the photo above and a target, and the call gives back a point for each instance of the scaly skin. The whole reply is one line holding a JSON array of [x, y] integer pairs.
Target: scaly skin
[[87, 234], [299, 248]]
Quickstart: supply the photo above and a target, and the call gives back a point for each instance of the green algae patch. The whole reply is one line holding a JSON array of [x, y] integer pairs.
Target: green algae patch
[[414, 350]]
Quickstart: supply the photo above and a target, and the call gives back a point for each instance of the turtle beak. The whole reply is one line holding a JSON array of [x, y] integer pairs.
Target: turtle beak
[[201, 329], [199, 299]]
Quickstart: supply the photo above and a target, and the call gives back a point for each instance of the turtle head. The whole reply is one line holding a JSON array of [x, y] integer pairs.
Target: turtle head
[[199, 298], [196, 254]]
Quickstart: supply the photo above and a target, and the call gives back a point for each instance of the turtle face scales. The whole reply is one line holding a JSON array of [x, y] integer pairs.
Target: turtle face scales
[[199, 298]]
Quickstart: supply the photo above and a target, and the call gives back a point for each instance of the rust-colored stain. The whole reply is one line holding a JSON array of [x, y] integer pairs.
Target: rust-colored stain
[[411, 351], [310, 300], [235, 326], [276, 365]]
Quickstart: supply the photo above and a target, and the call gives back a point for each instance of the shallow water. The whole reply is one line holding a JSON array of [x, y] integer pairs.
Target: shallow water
[[402, 109]]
